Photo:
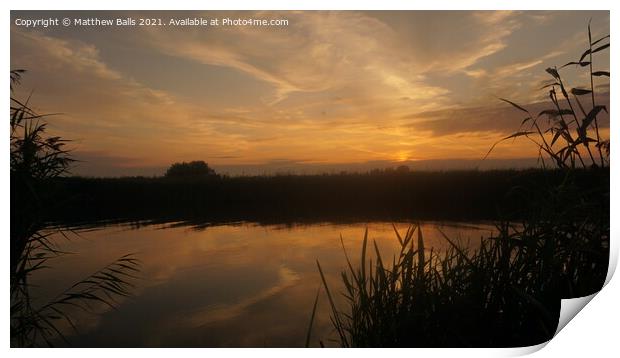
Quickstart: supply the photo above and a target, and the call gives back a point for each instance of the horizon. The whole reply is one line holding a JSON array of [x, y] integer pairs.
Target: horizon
[[391, 87], [99, 170]]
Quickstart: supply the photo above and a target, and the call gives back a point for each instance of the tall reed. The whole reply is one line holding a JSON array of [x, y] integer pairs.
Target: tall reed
[[504, 293], [571, 136], [36, 158], [507, 291]]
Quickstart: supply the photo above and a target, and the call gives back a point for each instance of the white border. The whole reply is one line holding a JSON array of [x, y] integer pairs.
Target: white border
[[312, 5], [592, 332]]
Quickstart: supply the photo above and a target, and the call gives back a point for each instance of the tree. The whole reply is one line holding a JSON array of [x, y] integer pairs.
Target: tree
[[194, 169]]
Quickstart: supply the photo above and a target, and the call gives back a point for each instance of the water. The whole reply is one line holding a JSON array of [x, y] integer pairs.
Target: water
[[238, 285]]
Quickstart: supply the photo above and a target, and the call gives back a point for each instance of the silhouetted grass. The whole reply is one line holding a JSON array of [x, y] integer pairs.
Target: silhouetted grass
[[457, 195], [35, 326], [506, 292], [36, 159], [570, 137]]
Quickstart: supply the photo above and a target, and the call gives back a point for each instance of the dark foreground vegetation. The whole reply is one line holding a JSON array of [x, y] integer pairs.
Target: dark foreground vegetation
[[507, 291], [458, 195], [36, 160]]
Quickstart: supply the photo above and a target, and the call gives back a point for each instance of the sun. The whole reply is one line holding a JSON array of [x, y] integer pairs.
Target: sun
[[402, 156]]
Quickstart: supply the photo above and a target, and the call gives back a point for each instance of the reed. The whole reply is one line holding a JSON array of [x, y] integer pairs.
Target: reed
[[36, 159], [570, 137], [506, 292], [450, 195]]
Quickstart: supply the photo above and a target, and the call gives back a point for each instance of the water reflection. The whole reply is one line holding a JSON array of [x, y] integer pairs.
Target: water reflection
[[234, 285]]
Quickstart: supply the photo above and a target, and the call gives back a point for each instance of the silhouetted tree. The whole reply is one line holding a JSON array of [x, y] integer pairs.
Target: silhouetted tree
[[194, 169]]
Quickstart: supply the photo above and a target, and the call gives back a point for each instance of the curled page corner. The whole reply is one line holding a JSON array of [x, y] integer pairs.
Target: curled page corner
[[570, 307], [613, 261], [523, 351]]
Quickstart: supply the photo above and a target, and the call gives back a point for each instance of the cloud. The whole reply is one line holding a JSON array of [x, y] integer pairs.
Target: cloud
[[501, 119], [318, 52], [103, 164], [80, 57], [466, 120], [104, 110], [332, 87], [367, 66], [471, 37]]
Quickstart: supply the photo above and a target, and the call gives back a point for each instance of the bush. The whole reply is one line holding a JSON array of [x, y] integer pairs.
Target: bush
[[194, 169]]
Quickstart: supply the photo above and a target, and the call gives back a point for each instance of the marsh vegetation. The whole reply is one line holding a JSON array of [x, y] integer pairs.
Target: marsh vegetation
[[506, 291], [36, 159]]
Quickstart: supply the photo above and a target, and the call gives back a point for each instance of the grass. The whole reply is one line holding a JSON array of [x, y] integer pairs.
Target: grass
[[570, 137], [507, 291], [36, 159]]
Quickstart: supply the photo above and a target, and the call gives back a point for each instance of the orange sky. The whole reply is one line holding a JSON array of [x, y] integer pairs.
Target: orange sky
[[331, 89]]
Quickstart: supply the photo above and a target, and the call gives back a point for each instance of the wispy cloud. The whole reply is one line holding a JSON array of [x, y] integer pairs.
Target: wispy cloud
[[332, 87]]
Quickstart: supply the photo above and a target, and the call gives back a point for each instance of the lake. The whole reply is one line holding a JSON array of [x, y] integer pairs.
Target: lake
[[234, 285]]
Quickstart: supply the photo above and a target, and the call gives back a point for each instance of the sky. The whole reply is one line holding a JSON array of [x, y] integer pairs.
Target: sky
[[330, 91]]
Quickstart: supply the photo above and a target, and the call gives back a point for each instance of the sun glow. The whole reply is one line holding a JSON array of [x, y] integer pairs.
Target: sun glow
[[402, 156]]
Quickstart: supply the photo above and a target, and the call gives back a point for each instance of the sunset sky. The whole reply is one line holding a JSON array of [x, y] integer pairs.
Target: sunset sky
[[334, 90]]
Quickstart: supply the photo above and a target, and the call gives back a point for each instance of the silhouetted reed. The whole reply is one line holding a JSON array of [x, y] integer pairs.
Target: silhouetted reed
[[36, 159], [450, 195], [505, 292], [569, 134]]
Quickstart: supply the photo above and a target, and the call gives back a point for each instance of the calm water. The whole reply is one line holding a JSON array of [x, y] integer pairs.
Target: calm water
[[220, 286]]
